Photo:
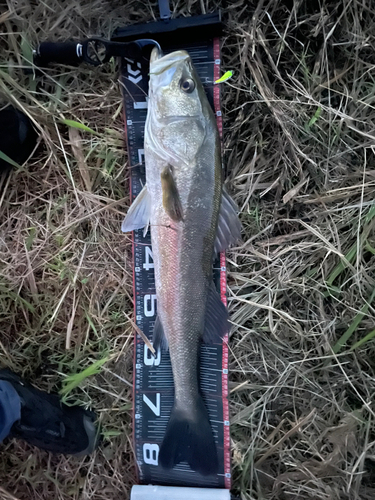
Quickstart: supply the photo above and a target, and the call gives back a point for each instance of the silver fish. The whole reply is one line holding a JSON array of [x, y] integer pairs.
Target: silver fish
[[191, 218]]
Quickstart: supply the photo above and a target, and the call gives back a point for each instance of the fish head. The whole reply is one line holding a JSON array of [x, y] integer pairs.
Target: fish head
[[178, 110]]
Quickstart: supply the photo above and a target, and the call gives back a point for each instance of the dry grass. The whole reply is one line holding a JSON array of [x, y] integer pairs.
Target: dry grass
[[299, 155]]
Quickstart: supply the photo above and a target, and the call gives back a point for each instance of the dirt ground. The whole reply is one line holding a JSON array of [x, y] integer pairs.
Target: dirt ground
[[299, 138]]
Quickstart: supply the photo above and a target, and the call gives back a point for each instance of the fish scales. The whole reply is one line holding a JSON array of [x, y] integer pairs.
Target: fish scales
[[182, 253]]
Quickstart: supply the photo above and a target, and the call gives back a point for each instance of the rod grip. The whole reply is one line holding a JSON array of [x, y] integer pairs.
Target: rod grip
[[61, 53]]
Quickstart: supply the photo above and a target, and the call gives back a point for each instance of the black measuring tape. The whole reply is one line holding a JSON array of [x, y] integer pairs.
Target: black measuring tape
[[153, 379]]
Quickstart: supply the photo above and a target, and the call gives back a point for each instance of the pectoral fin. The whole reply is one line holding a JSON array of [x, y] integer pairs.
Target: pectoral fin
[[216, 323], [229, 226], [171, 198], [138, 215]]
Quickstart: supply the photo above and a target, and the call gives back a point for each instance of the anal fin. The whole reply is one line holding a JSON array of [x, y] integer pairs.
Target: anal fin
[[229, 225]]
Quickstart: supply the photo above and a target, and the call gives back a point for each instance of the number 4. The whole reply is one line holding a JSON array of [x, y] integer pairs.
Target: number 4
[[148, 255]]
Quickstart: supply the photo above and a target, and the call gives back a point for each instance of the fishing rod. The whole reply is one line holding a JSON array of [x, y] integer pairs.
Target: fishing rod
[[134, 42], [94, 51]]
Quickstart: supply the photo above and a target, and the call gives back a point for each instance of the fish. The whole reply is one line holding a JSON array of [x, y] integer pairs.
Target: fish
[[191, 218]]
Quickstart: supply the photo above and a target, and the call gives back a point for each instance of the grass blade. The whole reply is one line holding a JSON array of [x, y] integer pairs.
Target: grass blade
[[315, 118], [353, 326], [5, 157], [349, 257], [73, 381], [80, 126], [365, 339]]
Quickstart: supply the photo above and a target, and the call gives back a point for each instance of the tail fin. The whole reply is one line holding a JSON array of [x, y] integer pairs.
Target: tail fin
[[189, 438]]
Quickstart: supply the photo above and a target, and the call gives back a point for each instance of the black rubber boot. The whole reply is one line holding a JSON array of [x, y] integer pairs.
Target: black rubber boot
[[17, 136], [49, 424]]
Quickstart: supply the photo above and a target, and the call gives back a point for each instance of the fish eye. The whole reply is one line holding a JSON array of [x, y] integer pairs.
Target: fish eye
[[187, 85]]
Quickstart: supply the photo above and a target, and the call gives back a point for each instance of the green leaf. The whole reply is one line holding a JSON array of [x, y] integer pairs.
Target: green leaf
[[27, 304], [369, 248], [91, 323], [332, 291], [342, 264], [26, 50], [73, 381], [108, 434], [315, 118], [365, 339], [352, 252], [5, 157], [81, 126], [353, 326], [30, 239]]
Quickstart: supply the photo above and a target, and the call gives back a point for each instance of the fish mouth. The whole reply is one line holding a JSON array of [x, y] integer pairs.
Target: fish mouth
[[160, 63], [156, 54]]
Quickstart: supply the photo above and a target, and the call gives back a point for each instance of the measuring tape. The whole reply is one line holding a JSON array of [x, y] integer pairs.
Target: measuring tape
[[153, 380]]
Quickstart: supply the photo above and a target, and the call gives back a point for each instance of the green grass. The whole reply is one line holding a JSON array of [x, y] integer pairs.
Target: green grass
[[342, 341]]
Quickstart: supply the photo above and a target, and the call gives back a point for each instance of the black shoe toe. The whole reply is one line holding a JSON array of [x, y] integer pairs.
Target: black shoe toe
[[17, 136], [49, 424]]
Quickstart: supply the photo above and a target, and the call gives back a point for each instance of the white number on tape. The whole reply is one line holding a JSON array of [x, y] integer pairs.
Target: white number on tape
[[149, 305], [155, 408], [148, 255], [151, 453], [149, 359]]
